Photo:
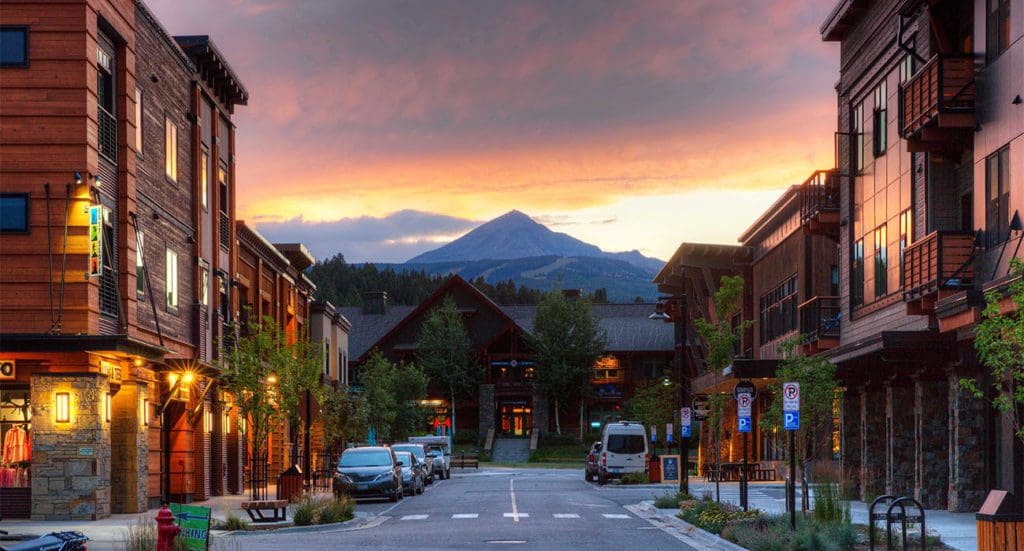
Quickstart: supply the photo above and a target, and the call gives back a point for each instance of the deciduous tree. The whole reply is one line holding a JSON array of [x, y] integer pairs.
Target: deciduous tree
[[443, 351]]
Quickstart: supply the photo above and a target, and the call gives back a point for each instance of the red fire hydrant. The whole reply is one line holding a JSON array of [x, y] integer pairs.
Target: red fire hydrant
[[166, 530]]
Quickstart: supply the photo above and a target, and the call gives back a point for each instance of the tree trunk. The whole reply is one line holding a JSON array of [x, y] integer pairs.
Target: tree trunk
[[558, 422]]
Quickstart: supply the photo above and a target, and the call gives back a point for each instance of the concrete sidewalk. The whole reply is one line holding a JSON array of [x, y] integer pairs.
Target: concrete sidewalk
[[956, 529]]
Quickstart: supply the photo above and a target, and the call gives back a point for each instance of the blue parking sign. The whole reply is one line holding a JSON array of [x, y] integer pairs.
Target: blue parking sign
[[686, 431], [791, 420], [744, 424]]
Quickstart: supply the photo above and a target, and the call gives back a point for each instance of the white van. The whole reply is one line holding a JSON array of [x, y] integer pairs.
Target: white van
[[623, 450]]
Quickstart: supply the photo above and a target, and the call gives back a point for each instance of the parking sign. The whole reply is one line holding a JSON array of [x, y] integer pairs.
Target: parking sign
[[743, 401], [791, 420], [743, 424], [791, 397], [685, 417]]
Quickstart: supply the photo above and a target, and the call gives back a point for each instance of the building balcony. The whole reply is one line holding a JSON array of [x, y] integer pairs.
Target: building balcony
[[937, 266], [107, 134], [938, 105], [819, 324], [819, 204]]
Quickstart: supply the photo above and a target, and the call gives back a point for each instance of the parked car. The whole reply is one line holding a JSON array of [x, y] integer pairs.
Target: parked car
[[623, 450], [369, 472], [593, 461], [420, 451], [439, 449], [414, 478]]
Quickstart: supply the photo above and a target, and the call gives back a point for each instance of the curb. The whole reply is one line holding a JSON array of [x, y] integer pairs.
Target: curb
[[680, 529]]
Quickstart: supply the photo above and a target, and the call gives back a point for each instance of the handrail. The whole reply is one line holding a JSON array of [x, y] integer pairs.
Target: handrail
[[820, 192], [945, 84], [106, 124], [936, 261]]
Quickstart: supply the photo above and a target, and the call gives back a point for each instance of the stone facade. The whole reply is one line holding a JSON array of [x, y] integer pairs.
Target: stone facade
[[931, 442], [487, 410], [851, 434], [70, 461], [872, 443], [129, 446], [899, 443], [967, 414]]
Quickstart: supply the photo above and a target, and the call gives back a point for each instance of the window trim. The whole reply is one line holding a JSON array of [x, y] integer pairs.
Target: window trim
[[992, 16], [28, 213], [879, 124], [857, 123], [1002, 222], [24, 33]]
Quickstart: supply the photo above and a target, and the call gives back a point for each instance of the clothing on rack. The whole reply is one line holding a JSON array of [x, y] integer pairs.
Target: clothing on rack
[[17, 446], [14, 477]]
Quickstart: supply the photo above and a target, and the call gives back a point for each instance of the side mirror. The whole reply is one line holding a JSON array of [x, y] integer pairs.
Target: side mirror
[[399, 463]]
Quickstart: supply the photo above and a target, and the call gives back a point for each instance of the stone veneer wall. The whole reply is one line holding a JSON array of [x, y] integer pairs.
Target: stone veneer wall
[[129, 492], [541, 416], [851, 440], [67, 483], [899, 413], [967, 415], [931, 423], [486, 409], [872, 442]]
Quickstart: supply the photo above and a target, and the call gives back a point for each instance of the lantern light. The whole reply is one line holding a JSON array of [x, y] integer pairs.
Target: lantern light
[[63, 409]]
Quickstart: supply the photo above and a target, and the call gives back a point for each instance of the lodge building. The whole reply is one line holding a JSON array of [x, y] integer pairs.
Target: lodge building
[[119, 276]]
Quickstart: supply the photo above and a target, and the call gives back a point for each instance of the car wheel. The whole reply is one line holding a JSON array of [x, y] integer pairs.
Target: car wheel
[[431, 479], [589, 476], [394, 497], [447, 474], [420, 490], [601, 479]]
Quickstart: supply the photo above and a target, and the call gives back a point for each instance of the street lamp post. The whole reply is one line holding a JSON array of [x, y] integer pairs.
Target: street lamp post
[[679, 326]]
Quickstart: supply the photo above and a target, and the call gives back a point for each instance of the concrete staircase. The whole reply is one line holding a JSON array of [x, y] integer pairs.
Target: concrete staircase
[[511, 450]]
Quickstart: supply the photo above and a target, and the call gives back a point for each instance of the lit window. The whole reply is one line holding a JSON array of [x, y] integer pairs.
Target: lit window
[[172, 279], [138, 121], [140, 268], [171, 149], [204, 179], [204, 289], [13, 46]]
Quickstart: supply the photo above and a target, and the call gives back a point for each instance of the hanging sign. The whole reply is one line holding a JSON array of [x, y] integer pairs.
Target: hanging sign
[[744, 387], [668, 432], [701, 407], [7, 369], [95, 241], [654, 433], [685, 420], [743, 402]]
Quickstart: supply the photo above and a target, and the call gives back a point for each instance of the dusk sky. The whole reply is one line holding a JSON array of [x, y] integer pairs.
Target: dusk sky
[[383, 129]]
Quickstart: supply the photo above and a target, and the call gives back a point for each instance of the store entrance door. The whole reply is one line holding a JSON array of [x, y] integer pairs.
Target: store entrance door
[[516, 419]]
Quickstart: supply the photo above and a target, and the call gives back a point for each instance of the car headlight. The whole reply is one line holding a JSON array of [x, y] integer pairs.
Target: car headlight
[[382, 476], [344, 478]]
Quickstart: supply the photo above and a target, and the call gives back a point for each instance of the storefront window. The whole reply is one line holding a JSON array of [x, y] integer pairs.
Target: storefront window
[[16, 437]]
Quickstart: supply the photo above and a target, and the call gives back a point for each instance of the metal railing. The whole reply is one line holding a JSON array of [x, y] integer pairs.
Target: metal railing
[[107, 124], [943, 85], [225, 230], [819, 319], [819, 193], [942, 260]]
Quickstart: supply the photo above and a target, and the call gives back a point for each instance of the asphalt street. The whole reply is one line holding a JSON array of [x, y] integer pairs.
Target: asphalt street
[[522, 508]]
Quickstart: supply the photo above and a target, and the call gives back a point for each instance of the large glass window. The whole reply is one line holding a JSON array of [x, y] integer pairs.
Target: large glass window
[[906, 68], [858, 136], [906, 235], [171, 149], [878, 126], [13, 46], [15, 436], [14, 213], [172, 279], [997, 23], [997, 203], [138, 121], [779, 311], [857, 274], [881, 262]]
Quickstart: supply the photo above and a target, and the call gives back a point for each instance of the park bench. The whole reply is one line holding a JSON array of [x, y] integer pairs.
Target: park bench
[[278, 510], [764, 474], [463, 461]]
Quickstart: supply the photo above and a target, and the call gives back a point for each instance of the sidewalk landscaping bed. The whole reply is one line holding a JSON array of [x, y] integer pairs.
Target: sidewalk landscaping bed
[[322, 509]]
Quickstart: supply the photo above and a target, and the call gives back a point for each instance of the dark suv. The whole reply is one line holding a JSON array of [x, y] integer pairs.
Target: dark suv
[[369, 472]]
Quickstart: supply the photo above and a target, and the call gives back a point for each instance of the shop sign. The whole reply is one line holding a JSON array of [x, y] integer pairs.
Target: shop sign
[[95, 241], [113, 372], [195, 525], [86, 452], [670, 468], [7, 369]]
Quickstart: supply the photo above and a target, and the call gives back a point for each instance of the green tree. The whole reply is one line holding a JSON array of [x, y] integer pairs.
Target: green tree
[[268, 376], [390, 402], [443, 351], [654, 403], [336, 411], [568, 340], [722, 336]]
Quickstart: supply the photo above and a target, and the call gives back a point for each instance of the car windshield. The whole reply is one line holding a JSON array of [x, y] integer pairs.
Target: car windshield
[[405, 458], [365, 458], [437, 449], [625, 443], [410, 448]]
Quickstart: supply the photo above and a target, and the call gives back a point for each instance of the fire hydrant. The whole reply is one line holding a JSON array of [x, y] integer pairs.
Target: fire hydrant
[[166, 530]]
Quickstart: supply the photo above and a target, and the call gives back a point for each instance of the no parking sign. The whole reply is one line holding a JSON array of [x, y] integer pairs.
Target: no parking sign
[[791, 406]]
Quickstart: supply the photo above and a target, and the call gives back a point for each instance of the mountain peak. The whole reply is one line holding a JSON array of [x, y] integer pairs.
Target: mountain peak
[[514, 216]]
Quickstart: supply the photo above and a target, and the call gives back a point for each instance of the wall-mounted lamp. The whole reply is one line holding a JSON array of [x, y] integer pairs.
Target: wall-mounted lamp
[[145, 412], [78, 178], [1017, 100], [62, 413], [97, 183], [107, 406]]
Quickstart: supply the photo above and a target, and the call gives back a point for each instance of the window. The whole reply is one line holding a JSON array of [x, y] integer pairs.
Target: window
[[878, 125], [881, 262], [222, 180], [997, 26], [857, 275], [779, 311], [858, 133], [138, 121], [140, 267], [906, 68], [171, 149], [204, 179], [834, 281], [906, 235], [172, 279], [997, 195], [625, 443], [13, 46], [14, 213], [204, 286]]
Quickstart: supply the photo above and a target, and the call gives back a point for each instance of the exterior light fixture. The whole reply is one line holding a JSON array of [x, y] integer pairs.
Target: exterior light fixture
[[145, 412], [659, 312], [187, 379], [63, 407], [272, 378], [78, 178], [107, 406]]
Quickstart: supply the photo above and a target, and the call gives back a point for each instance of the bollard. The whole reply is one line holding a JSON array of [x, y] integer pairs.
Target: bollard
[[166, 530]]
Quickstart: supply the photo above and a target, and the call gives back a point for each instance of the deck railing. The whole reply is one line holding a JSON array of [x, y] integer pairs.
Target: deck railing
[[943, 85], [819, 318], [820, 193], [942, 260]]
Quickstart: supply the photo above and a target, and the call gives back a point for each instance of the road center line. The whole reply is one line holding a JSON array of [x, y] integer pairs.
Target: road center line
[[512, 490]]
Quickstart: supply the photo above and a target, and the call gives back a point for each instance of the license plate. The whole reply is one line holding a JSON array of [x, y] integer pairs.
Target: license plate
[[363, 487], [614, 469]]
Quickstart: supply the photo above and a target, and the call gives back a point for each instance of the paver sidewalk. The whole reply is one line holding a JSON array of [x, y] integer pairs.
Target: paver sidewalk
[[956, 529]]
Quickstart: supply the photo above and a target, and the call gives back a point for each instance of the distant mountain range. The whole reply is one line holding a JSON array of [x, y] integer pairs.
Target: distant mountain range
[[514, 246]]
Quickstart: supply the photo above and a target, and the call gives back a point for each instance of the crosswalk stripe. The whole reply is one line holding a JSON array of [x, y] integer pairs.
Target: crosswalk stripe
[[465, 515], [415, 517], [520, 515], [566, 515], [613, 515]]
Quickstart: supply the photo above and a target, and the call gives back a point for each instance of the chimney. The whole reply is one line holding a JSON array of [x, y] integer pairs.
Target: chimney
[[375, 302], [572, 294]]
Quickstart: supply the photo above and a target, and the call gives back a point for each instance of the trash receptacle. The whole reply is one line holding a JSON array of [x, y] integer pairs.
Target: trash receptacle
[[654, 468], [1000, 522], [289, 484]]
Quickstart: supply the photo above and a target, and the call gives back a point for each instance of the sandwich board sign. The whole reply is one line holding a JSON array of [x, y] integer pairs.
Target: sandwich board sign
[[195, 525]]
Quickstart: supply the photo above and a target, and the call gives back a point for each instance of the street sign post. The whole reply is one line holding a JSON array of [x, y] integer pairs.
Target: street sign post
[[791, 422], [744, 399]]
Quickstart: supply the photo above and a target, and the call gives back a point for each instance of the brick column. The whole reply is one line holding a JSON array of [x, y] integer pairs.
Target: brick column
[[70, 461], [851, 439], [872, 442], [899, 432], [967, 488], [130, 451], [931, 423]]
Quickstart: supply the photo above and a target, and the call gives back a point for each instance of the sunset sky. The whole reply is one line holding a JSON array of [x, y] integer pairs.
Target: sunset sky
[[381, 129]]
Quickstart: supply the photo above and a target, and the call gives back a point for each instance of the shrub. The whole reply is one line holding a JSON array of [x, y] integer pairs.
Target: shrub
[[669, 500], [321, 510], [635, 478], [842, 535], [233, 523], [139, 535], [302, 512]]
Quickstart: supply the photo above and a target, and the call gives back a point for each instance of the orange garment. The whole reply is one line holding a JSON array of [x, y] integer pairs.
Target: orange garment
[[17, 446]]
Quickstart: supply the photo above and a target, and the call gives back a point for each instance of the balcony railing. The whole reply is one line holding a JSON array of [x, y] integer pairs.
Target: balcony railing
[[819, 322], [819, 202], [107, 134], [941, 94], [225, 230], [942, 261]]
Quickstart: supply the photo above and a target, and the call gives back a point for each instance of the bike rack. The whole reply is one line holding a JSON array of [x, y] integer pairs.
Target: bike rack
[[891, 518], [872, 517]]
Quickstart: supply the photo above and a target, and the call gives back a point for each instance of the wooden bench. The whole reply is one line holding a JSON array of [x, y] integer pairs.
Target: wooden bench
[[277, 507], [764, 474], [464, 461]]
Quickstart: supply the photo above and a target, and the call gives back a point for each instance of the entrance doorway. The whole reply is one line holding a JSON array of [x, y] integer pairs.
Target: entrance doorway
[[515, 418]]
